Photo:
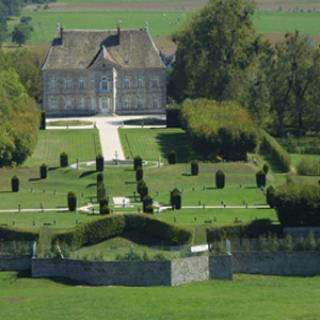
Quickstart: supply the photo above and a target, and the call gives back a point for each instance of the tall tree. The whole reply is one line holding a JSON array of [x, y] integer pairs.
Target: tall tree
[[214, 50]]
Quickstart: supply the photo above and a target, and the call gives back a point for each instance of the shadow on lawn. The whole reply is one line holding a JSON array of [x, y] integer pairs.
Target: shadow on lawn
[[5, 192], [87, 173], [179, 142]]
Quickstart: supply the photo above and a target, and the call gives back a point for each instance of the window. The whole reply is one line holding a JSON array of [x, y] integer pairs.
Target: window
[[126, 83], [53, 83], [155, 103], [126, 103], [155, 83], [67, 84], [104, 85], [68, 103], [140, 103], [82, 84], [82, 103], [53, 103], [140, 83]]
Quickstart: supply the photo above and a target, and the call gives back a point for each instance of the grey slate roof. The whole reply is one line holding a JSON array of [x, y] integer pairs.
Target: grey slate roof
[[78, 49]]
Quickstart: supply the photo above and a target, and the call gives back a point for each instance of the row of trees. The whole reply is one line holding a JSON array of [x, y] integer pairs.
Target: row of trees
[[221, 57]]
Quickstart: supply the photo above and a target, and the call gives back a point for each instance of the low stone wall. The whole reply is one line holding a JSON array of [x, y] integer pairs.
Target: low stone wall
[[298, 232], [134, 273], [189, 270], [126, 273], [277, 263], [15, 263], [220, 267]]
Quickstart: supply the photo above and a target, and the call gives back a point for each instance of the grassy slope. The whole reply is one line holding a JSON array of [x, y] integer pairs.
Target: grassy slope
[[161, 23], [247, 297]]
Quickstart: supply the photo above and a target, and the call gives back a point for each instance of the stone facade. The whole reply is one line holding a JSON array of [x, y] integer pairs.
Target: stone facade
[[113, 72], [15, 263]]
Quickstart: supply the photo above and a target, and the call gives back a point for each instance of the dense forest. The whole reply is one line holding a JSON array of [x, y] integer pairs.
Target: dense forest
[[221, 57]]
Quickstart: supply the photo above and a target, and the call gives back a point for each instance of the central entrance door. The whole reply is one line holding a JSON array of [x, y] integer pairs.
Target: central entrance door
[[105, 105]]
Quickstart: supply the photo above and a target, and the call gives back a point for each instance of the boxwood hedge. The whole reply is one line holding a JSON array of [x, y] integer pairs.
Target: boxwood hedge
[[111, 226]]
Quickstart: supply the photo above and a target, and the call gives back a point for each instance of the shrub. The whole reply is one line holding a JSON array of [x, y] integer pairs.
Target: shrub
[[274, 152], [172, 157], [221, 129], [101, 192], [43, 171], [104, 207], [99, 178], [115, 225], [270, 196], [252, 230], [15, 184], [261, 179], [72, 201], [194, 168], [286, 244], [175, 199], [11, 234], [309, 167], [298, 205], [137, 162], [173, 113], [265, 168], [139, 174], [43, 120], [64, 160], [142, 189], [220, 179], [147, 204], [99, 163]]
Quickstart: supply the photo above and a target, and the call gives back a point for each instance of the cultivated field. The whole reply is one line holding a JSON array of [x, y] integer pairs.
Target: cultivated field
[[247, 297]]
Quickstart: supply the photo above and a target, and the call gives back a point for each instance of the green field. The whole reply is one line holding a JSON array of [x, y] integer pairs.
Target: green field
[[161, 23], [247, 297], [296, 158], [71, 123], [79, 144]]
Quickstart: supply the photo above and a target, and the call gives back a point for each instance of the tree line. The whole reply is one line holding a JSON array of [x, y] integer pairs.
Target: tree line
[[18, 109], [220, 56]]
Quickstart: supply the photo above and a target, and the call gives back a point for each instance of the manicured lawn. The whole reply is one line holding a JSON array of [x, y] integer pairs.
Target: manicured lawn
[[64, 123], [39, 220], [296, 158], [78, 144], [247, 297], [214, 217], [152, 143]]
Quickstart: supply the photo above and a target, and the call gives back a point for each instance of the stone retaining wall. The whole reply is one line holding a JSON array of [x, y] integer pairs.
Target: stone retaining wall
[[277, 263], [15, 263], [220, 267]]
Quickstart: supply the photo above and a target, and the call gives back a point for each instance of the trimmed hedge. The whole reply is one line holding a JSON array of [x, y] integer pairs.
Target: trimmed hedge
[[252, 230], [104, 206], [64, 160], [172, 157], [139, 174], [12, 234], [298, 205], [270, 196], [308, 167], [173, 113], [261, 179], [99, 163], [194, 168], [274, 152], [220, 179], [43, 171], [142, 189], [111, 226], [219, 129], [99, 178], [175, 199], [137, 163], [147, 204], [43, 120], [15, 184], [101, 192], [72, 201]]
